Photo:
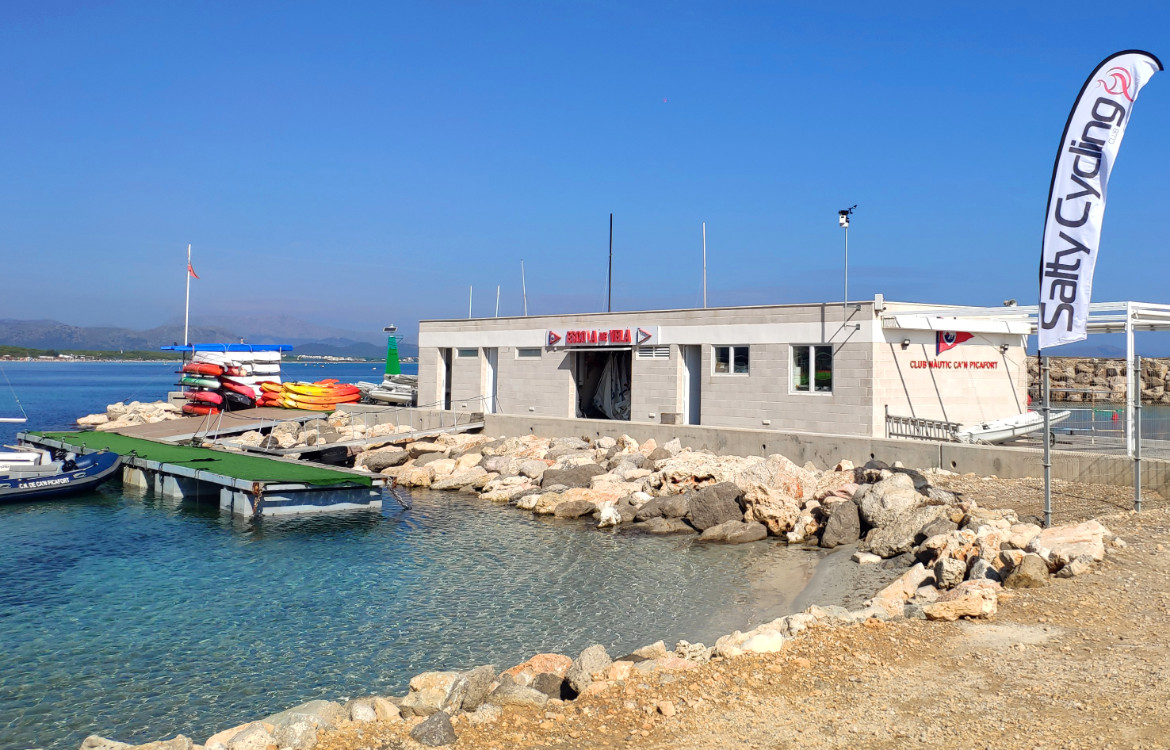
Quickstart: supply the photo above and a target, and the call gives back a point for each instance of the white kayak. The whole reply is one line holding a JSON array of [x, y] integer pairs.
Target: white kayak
[[1008, 428]]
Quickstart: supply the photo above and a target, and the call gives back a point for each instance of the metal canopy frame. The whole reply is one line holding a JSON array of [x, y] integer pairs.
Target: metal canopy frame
[[1104, 317]]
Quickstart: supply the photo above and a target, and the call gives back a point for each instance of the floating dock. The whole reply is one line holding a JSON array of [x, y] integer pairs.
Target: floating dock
[[250, 486]]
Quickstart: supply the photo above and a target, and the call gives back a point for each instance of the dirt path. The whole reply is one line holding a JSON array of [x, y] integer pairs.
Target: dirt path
[[1080, 663]]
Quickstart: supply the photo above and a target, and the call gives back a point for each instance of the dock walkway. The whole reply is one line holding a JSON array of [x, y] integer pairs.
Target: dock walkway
[[246, 485]]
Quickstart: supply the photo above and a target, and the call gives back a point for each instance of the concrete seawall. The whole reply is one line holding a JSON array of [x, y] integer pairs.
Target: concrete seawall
[[826, 450]]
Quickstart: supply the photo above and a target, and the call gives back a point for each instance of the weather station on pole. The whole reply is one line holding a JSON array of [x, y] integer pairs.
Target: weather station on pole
[[843, 220]]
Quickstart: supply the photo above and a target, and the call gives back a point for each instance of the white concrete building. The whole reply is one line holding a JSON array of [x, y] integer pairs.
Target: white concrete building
[[826, 368]]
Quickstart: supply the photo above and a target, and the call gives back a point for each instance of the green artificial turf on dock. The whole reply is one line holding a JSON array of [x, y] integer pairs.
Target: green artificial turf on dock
[[234, 465]]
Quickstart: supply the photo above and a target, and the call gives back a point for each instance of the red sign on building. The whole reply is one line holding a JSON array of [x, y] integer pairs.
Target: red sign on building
[[584, 337]]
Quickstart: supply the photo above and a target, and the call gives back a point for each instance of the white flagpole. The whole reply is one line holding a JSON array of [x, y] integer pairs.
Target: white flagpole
[[704, 265], [523, 288], [187, 307], [497, 300]]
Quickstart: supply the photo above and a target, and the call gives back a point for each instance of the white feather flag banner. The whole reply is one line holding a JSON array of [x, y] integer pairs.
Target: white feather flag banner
[[1076, 199]]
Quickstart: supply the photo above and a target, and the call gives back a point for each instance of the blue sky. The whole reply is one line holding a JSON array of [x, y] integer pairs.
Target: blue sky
[[356, 164]]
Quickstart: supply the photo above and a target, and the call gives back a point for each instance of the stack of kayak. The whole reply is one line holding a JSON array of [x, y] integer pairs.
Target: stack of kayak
[[219, 381], [324, 395]]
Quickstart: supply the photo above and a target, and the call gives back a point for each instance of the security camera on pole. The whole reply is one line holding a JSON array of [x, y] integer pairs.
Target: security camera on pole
[[843, 219]]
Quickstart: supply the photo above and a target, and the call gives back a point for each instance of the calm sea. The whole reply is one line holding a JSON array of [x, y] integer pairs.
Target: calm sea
[[135, 617]]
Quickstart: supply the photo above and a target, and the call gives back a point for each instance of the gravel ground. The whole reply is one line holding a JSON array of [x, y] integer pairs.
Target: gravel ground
[[1072, 502], [1080, 663]]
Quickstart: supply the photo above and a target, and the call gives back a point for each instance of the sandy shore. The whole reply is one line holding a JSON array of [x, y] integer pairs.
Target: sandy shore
[[1079, 663]]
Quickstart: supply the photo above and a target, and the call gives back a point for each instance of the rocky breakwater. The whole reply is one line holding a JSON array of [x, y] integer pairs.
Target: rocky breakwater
[[959, 560], [1080, 379], [117, 416], [316, 434]]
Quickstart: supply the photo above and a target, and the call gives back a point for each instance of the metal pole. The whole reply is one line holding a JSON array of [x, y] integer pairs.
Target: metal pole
[[523, 287], [1137, 447], [497, 300], [187, 306], [470, 291], [609, 276], [845, 304], [1044, 408], [1132, 382], [704, 265]]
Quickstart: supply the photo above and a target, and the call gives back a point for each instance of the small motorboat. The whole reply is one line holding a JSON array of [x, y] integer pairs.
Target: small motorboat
[[28, 473], [1008, 428], [394, 389]]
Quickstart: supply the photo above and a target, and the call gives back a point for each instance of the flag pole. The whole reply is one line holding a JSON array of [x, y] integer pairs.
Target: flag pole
[[187, 306]]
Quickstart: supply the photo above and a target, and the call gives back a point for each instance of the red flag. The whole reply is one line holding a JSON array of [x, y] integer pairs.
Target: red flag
[[191, 270], [950, 339]]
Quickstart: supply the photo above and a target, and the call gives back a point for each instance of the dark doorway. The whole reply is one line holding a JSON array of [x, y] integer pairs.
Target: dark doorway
[[603, 384]]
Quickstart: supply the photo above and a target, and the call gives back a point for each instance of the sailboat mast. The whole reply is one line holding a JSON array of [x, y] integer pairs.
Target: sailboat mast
[[187, 306], [523, 288]]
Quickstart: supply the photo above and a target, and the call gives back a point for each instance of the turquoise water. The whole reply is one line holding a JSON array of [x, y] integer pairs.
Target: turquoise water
[[135, 617]]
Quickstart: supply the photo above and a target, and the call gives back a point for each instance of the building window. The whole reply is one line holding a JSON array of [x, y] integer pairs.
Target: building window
[[812, 369], [528, 352], [654, 352], [468, 352], [731, 360]]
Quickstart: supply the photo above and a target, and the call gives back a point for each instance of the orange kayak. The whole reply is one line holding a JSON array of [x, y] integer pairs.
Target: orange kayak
[[203, 368]]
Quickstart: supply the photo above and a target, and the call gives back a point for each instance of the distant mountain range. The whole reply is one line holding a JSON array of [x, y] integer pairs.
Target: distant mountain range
[[306, 338]]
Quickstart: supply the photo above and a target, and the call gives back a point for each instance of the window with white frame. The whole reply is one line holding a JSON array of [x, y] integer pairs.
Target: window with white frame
[[654, 352], [468, 352], [528, 352], [812, 369], [731, 360]]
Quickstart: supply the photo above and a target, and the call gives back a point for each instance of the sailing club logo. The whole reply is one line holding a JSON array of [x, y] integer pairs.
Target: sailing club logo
[[1119, 82], [949, 340]]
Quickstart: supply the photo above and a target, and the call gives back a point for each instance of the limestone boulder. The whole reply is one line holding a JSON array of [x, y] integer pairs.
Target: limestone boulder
[[1061, 545], [524, 673], [574, 508], [843, 526], [972, 599], [515, 694], [92, 420], [441, 469], [1031, 572], [777, 510], [435, 691], [883, 502], [323, 713], [671, 506], [903, 531], [715, 504], [461, 479], [592, 661], [576, 476], [435, 731], [664, 526], [735, 532], [420, 447]]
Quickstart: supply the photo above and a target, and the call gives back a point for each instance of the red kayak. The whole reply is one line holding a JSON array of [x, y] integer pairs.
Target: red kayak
[[203, 368], [240, 388], [200, 409], [206, 397]]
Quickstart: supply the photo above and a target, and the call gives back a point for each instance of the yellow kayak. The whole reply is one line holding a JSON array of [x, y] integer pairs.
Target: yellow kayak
[[320, 389]]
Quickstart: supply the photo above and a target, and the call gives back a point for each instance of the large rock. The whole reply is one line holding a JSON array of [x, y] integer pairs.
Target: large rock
[[1061, 545], [968, 599], [903, 531], [418, 448], [298, 734], [514, 694], [664, 526], [577, 476], [574, 508], [179, 742], [881, 503], [435, 731], [479, 683], [776, 509], [525, 673], [714, 505], [435, 691], [327, 714], [591, 661], [427, 459], [735, 532], [550, 684], [257, 737], [461, 479], [1030, 573], [843, 526], [671, 506], [691, 469]]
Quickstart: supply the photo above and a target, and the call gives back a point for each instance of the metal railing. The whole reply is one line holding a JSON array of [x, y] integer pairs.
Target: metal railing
[[917, 428]]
